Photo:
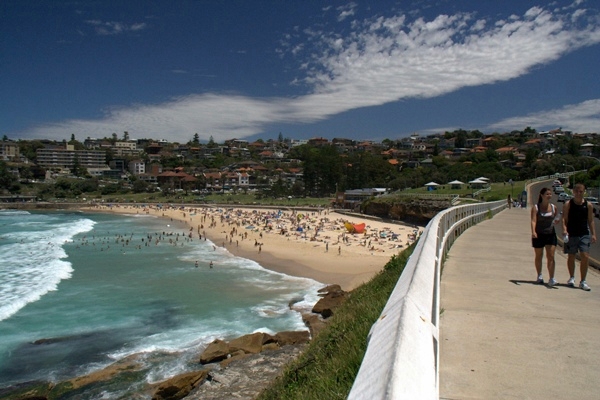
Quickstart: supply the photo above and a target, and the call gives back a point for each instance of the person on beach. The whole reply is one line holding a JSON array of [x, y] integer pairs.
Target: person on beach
[[578, 223], [543, 236]]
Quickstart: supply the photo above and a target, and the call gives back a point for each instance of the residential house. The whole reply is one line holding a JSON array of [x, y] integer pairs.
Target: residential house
[[137, 167]]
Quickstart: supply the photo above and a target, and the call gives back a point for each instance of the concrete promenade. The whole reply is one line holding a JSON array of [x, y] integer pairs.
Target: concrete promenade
[[504, 337]]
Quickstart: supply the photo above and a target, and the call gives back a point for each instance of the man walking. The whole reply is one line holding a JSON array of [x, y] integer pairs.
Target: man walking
[[578, 223]]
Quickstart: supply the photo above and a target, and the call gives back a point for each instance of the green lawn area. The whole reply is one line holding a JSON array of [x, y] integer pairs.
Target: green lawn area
[[498, 191]]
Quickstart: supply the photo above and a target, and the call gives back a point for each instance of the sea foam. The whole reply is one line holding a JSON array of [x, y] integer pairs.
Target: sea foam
[[32, 260]]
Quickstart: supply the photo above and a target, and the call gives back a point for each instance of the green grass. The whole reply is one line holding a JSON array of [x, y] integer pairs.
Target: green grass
[[328, 367], [499, 191]]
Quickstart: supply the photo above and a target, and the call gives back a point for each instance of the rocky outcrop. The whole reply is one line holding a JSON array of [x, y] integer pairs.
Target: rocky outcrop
[[179, 386], [332, 297], [251, 344], [254, 343], [314, 322], [247, 376], [216, 351], [240, 368], [287, 338], [413, 210]]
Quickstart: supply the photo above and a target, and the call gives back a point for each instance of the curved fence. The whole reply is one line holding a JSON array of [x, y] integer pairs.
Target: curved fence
[[402, 357]]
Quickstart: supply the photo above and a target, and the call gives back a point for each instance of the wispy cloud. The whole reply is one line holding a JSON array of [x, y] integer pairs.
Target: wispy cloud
[[115, 28], [346, 11], [583, 117], [382, 60]]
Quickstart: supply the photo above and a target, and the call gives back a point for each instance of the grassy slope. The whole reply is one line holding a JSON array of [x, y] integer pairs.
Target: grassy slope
[[327, 369]]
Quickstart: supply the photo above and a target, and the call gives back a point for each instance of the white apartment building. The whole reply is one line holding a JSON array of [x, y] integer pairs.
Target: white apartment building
[[137, 167]]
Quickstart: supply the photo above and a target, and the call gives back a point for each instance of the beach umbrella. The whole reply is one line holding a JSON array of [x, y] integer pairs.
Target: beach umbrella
[[432, 184]]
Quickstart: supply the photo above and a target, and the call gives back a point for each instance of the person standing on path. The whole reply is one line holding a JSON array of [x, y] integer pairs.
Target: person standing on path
[[543, 236], [578, 223]]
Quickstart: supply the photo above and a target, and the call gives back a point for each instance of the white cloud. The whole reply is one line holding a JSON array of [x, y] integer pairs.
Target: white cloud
[[382, 60], [106, 28], [346, 11], [583, 117]]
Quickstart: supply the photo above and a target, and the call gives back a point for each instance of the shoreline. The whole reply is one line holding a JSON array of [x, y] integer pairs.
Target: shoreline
[[308, 244]]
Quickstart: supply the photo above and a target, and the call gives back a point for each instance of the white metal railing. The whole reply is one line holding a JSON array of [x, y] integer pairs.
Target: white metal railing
[[402, 357], [485, 189]]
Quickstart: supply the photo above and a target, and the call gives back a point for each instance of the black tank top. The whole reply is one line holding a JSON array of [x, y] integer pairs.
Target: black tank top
[[577, 224]]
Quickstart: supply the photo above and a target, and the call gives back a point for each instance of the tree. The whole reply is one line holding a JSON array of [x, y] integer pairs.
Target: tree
[[6, 177], [279, 188], [196, 139], [125, 136], [322, 169], [139, 186], [211, 142], [461, 138], [28, 148]]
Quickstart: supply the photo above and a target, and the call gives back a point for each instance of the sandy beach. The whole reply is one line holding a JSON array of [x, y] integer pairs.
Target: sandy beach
[[311, 244]]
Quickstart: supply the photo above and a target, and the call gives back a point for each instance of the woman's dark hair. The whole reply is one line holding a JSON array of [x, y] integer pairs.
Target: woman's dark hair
[[542, 193]]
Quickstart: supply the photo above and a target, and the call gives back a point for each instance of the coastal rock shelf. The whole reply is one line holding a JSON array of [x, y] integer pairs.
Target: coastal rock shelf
[[240, 368]]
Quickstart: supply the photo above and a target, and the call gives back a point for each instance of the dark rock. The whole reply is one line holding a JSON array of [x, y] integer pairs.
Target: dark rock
[[270, 346], [248, 343], [179, 386], [252, 343], [330, 288], [26, 390], [330, 301], [413, 210], [216, 351], [314, 323], [292, 337], [246, 377]]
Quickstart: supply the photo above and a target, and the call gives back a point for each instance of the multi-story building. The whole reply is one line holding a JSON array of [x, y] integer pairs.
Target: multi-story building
[[137, 167], [56, 157], [126, 148], [9, 151]]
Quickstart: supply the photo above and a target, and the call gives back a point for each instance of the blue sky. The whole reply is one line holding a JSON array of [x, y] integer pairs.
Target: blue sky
[[254, 69]]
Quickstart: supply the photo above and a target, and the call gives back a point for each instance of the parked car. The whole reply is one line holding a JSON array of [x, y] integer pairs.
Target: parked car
[[559, 189], [593, 200], [562, 197]]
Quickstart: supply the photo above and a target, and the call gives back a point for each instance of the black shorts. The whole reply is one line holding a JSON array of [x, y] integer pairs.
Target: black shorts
[[543, 240]]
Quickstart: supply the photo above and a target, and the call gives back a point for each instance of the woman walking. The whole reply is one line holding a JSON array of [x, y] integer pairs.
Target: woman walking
[[544, 216]]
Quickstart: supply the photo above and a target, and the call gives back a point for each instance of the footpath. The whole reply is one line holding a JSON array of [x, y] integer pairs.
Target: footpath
[[504, 337]]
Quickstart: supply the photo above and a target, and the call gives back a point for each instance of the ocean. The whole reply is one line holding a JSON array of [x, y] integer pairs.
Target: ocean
[[79, 291]]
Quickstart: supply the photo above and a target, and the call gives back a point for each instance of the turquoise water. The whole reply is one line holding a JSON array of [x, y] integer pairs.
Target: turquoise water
[[79, 291]]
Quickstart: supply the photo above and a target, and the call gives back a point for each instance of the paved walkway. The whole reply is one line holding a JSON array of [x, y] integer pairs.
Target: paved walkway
[[502, 336]]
